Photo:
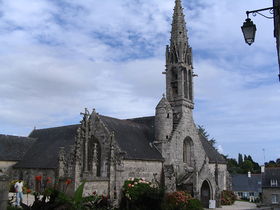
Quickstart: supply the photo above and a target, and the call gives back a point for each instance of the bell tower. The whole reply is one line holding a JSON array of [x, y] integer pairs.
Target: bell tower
[[179, 68]]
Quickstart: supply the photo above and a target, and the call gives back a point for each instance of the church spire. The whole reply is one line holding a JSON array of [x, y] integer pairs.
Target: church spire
[[179, 69], [178, 32], [179, 50]]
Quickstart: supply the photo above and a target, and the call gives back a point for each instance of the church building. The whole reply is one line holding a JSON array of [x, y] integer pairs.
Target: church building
[[166, 148]]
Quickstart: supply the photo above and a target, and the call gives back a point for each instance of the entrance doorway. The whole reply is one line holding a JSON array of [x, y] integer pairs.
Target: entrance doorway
[[205, 194]]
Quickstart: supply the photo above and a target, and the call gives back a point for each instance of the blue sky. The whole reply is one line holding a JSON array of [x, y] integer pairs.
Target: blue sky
[[58, 57]]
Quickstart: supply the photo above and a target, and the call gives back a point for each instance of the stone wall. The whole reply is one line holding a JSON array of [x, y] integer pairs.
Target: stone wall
[[186, 128], [137, 169], [4, 189], [99, 186], [267, 195]]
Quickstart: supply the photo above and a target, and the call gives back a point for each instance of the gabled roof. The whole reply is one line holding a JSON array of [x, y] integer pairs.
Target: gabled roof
[[44, 152], [134, 137], [242, 183], [213, 155], [271, 174], [13, 148]]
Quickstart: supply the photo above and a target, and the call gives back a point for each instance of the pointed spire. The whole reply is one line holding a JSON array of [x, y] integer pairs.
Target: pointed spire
[[178, 32]]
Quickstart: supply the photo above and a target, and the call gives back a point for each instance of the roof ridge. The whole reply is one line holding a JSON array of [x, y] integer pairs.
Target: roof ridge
[[55, 127], [8, 135]]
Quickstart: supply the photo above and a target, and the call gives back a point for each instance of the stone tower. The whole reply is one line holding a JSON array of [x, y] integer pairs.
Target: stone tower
[[175, 131], [179, 69]]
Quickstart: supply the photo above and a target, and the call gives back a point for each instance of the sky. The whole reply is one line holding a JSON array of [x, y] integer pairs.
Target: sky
[[58, 57]]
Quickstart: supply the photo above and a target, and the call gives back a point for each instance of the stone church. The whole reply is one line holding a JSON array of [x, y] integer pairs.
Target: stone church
[[166, 148]]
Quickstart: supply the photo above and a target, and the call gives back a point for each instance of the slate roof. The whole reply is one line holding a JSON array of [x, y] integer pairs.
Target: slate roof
[[44, 152], [271, 174], [13, 148], [242, 183], [134, 137], [213, 155]]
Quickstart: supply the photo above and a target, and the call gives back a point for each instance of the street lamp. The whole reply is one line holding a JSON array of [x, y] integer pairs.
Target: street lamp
[[249, 28]]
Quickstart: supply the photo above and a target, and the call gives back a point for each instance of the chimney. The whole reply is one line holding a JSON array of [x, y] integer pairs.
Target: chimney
[[249, 174], [262, 169]]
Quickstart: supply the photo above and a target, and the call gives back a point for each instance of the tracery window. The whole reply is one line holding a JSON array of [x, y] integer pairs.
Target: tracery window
[[188, 151]]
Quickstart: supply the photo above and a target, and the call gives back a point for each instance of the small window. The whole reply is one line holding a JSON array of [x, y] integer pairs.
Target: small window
[[167, 115], [273, 182], [166, 137], [274, 198]]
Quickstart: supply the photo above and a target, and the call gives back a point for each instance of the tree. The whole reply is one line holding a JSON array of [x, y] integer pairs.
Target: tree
[[240, 159], [247, 166], [242, 166], [203, 132], [232, 165]]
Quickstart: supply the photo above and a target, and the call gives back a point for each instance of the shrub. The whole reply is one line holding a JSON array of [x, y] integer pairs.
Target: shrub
[[227, 197], [194, 204], [177, 201], [141, 194]]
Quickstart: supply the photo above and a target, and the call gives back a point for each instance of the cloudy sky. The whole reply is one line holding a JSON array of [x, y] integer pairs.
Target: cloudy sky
[[58, 57]]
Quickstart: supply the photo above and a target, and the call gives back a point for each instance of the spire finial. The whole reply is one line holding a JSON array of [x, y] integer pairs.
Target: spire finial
[[178, 32]]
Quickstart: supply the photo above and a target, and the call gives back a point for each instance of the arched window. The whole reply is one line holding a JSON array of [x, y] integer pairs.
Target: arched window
[[186, 92], [188, 151], [174, 82]]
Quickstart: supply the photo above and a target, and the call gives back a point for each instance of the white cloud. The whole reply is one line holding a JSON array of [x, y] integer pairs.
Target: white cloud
[[57, 57]]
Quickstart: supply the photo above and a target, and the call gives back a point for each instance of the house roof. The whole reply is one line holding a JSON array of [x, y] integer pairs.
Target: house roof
[[44, 152], [134, 137], [13, 148], [213, 155], [242, 183], [271, 174]]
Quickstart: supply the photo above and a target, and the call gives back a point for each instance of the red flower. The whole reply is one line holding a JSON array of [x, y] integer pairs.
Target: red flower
[[49, 180], [94, 193], [28, 191], [38, 178], [68, 181]]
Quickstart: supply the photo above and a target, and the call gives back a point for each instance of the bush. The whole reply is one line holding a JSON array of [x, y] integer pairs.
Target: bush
[[140, 194], [179, 200], [227, 197], [194, 204]]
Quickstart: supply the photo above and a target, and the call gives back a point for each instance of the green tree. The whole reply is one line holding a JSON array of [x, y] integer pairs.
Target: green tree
[[203, 132], [247, 166], [232, 165], [240, 159]]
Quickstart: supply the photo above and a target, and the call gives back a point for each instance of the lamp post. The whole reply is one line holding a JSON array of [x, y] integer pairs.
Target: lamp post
[[249, 28]]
